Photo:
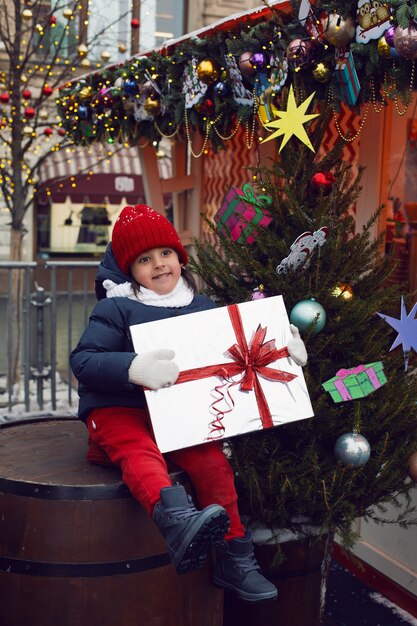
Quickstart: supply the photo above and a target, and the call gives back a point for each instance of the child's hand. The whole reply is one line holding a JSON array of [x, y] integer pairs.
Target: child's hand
[[154, 369], [296, 347]]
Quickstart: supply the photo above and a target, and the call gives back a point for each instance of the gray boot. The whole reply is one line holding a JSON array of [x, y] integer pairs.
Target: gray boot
[[188, 532], [236, 569]]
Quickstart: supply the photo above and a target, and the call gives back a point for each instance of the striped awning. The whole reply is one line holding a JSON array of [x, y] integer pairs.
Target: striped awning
[[94, 174]]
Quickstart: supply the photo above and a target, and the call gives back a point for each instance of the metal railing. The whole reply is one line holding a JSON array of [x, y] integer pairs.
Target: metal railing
[[41, 324]]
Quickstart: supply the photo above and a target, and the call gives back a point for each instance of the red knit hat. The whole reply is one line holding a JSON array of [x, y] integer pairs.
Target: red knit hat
[[140, 228]]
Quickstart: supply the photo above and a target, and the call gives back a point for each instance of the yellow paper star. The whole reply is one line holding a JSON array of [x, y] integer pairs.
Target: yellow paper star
[[291, 122]]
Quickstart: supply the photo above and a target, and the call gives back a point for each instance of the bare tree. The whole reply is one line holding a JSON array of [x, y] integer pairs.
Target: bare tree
[[43, 45]]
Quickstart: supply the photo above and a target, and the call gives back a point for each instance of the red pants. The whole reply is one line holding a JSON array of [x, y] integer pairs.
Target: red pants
[[126, 436]]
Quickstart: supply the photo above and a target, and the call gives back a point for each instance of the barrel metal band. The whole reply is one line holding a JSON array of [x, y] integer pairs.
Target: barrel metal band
[[83, 570], [63, 492]]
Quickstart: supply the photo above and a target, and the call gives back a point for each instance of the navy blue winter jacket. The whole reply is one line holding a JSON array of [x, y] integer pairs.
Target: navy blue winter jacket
[[102, 358]]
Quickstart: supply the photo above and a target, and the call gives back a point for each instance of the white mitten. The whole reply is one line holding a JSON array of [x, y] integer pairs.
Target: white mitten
[[154, 369], [296, 347]]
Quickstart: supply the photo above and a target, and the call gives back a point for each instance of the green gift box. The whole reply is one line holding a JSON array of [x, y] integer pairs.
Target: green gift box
[[357, 382]]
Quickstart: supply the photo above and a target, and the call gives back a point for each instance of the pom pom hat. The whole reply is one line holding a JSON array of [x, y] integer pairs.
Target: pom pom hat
[[138, 229]]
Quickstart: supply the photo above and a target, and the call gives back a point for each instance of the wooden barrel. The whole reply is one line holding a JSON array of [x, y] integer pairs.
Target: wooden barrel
[[76, 549]]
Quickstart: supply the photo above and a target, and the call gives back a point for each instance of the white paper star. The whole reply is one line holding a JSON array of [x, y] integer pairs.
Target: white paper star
[[406, 328]]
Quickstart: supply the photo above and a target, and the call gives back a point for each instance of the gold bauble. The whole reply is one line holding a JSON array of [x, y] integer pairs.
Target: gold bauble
[[82, 50], [338, 31], [105, 55], [152, 105], [345, 291], [85, 62], [321, 72], [412, 467], [85, 92], [23, 78], [43, 114], [122, 48], [28, 131], [27, 15], [384, 49], [39, 28], [67, 13], [207, 72]]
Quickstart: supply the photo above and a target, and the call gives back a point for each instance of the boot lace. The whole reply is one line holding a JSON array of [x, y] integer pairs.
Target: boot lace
[[181, 512], [246, 562]]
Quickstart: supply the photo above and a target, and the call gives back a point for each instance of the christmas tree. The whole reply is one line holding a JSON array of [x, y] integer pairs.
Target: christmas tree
[[303, 470]]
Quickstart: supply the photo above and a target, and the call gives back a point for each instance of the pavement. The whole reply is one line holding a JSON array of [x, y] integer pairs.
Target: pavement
[[350, 602]]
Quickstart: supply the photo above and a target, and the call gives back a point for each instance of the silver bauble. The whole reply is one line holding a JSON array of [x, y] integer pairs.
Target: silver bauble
[[352, 450]]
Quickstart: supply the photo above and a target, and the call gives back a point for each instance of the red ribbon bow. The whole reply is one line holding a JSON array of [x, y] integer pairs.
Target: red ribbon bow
[[249, 360]]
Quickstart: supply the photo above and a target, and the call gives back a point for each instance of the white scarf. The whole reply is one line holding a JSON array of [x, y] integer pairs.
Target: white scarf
[[181, 295]]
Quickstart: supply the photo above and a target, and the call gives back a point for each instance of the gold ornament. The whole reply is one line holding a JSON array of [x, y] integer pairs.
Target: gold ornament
[[39, 28], [85, 92], [152, 105], [105, 55], [207, 72], [23, 78], [321, 72], [338, 31], [345, 291], [122, 48], [43, 114], [82, 50], [67, 13], [28, 131], [85, 62], [384, 49], [27, 15]]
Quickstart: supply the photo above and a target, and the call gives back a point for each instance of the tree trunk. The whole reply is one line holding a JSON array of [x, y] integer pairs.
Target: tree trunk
[[15, 305]]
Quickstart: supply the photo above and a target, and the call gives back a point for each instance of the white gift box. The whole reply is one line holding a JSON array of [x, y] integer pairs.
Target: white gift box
[[231, 393]]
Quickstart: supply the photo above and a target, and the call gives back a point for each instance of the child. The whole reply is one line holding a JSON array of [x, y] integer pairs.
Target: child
[[144, 278]]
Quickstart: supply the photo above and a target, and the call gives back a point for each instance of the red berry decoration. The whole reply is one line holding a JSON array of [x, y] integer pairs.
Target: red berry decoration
[[135, 23], [47, 90], [30, 113], [48, 132], [4, 97], [26, 94], [322, 182]]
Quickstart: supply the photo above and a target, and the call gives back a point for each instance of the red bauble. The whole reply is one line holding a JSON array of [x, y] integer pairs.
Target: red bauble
[[4, 97], [48, 132], [207, 107], [30, 113], [322, 182], [135, 23], [62, 132], [26, 94], [47, 90], [52, 20]]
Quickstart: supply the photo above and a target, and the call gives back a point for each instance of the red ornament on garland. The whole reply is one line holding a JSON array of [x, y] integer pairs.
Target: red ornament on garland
[[26, 94], [62, 132], [4, 98], [48, 132], [322, 182], [135, 23], [30, 113], [47, 90], [52, 20], [206, 107]]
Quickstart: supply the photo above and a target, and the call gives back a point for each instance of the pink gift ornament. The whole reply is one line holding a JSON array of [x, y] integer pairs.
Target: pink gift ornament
[[242, 212]]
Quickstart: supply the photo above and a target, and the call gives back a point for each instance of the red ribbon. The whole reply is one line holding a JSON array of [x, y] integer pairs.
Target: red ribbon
[[249, 360]]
